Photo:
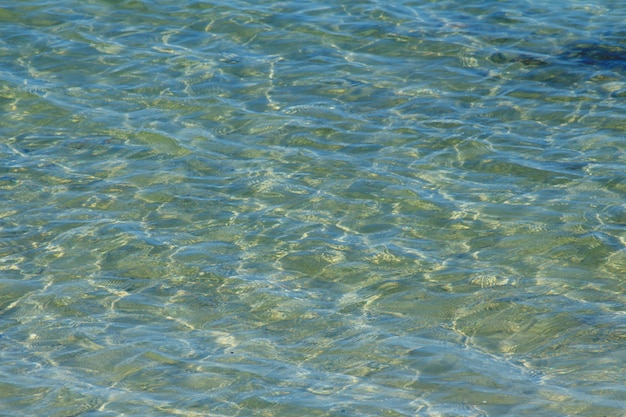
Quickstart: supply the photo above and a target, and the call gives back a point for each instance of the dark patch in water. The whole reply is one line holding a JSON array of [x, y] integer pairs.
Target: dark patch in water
[[527, 60], [607, 56], [602, 55]]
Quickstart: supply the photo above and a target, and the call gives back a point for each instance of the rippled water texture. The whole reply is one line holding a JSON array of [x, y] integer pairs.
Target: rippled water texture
[[309, 208]]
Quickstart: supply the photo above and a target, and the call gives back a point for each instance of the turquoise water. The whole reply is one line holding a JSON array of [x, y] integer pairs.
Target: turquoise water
[[303, 208]]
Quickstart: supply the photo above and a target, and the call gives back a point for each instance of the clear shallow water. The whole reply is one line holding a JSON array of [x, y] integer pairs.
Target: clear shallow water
[[295, 208]]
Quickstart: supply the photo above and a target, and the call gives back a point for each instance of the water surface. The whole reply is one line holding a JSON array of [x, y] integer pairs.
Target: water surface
[[268, 208]]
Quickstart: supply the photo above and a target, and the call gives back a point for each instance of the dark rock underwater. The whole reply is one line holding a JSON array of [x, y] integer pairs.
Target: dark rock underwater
[[606, 56]]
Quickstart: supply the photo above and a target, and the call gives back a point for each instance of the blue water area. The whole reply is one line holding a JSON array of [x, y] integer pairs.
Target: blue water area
[[304, 208]]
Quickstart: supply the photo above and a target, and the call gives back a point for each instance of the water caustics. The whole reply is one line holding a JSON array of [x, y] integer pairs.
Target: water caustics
[[217, 208]]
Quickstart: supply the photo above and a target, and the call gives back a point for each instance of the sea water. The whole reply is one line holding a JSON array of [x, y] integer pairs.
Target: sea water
[[312, 208]]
